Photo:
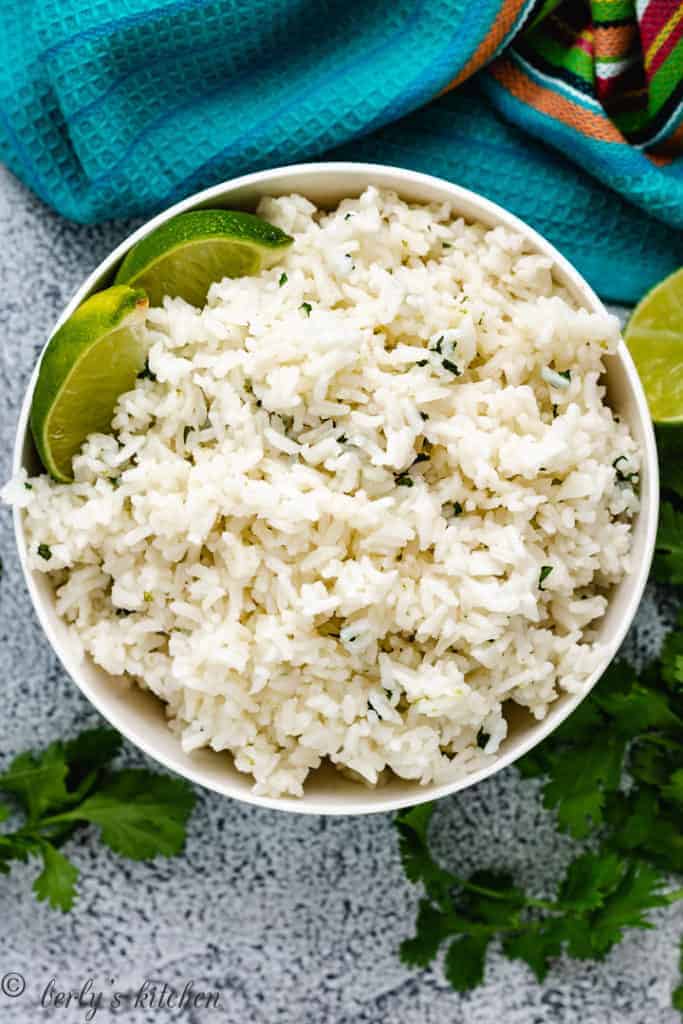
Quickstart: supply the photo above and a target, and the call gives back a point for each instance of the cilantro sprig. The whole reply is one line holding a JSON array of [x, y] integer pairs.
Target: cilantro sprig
[[601, 894], [625, 792], [640, 724], [670, 450], [668, 563], [71, 784]]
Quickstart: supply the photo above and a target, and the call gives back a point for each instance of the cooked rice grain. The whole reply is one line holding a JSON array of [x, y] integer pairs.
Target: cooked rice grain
[[321, 532]]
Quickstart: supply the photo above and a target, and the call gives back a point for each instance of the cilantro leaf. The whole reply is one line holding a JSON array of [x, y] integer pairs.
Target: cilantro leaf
[[677, 994], [90, 752], [582, 773], [670, 461], [576, 937], [491, 898], [535, 947], [465, 961], [638, 891], [578, 728], [581, 724], [13, 847], [650, 760], [418, 864], [532, 764], [589, 879], [633, 817], [145, 373], [57, 881], [55, 778], [431, 928], [577, 785], [140, 814], [543, 575], [674, 788], [668, 563], [664, 845], [639, 709], [593, 935], [672, 659], [677, 997], [38, 781], [416, 820]]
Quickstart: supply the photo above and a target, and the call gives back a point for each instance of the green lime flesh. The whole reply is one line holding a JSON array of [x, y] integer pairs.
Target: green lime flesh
[[184, 256], [654, 335], [89, 362]]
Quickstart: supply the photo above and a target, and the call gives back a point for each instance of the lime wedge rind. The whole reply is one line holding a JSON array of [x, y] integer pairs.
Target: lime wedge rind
[[96, 355], [654, 335], [186, 254], [92, 359]]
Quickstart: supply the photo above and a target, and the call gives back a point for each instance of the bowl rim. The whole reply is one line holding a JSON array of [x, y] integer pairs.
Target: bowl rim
[[359, 173]]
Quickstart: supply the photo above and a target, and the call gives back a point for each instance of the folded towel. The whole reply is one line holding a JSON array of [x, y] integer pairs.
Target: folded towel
[[572, 119]]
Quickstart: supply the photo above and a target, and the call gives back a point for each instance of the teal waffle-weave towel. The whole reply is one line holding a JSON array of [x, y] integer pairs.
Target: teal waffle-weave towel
[[120, 107]]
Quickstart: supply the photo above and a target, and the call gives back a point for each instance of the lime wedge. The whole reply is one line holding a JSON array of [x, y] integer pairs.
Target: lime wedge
[[187, 253], [654, 335], [92, 359]]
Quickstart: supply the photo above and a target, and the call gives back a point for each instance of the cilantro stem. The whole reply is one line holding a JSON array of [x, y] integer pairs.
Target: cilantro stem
[[35, 830], [28, 831], [59, 819], [467, 927], [481, 890], [69, 785], [657, 739]]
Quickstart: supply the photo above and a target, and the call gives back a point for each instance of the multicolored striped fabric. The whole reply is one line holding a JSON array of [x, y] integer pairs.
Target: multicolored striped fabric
[[568, 112], [609, 74]]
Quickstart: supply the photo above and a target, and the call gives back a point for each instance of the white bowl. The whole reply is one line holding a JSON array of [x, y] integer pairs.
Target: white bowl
[[140, 716]]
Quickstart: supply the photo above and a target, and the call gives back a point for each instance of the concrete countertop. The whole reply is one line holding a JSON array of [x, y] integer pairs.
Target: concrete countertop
[[291, 920]]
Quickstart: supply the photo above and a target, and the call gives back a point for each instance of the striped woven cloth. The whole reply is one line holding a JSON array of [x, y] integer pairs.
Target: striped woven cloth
[[568, 113], [617, 72], [609, 75]]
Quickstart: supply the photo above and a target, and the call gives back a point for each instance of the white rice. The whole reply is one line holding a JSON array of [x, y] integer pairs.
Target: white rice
[[240, 544]]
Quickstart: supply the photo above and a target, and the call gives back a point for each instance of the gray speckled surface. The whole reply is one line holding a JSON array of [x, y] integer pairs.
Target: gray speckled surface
[[293, 920]]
